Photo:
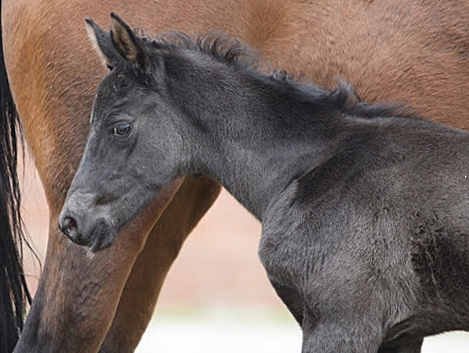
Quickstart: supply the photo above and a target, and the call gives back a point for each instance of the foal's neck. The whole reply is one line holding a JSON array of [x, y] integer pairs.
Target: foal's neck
[[256, 141]]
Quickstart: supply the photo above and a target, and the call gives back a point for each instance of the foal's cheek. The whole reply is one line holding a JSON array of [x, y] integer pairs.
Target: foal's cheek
[[157, 201]]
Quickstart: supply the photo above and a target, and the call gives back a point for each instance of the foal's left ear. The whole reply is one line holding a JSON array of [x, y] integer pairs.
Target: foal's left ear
[[127, 43], [102, 43]]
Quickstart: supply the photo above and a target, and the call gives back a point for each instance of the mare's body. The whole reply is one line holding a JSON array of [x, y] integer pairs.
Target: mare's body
[[364, 212], [412, 51]]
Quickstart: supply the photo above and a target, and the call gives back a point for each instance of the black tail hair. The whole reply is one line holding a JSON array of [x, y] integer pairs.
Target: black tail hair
[[13, 289]]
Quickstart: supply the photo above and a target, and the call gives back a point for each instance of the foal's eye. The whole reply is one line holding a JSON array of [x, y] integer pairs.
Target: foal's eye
[[121, 129]]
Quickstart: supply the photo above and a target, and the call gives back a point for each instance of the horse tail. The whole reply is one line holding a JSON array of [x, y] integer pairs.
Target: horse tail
[[13, 289]]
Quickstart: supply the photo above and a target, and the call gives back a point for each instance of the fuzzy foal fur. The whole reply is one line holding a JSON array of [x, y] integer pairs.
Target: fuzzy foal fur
[[411, 51], [363, 210]]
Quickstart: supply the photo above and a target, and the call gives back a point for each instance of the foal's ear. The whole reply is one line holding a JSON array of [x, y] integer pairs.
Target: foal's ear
[[127, 43], [102, 43]]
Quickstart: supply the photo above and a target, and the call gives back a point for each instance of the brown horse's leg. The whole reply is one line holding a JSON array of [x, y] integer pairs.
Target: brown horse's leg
[[79, 291], [149, 271]]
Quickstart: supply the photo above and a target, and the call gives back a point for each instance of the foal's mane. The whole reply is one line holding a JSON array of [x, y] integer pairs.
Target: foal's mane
[[219, 46], [233, 52]]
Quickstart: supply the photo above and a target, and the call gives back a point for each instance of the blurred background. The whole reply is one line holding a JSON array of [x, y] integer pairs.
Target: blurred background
[[217, 298]]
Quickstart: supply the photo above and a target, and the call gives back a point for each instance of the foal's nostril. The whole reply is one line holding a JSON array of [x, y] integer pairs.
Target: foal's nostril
[[69, 227]]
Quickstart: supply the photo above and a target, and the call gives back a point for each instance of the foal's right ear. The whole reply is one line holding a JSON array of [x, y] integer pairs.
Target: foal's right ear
[[102, 43], [128, 44]]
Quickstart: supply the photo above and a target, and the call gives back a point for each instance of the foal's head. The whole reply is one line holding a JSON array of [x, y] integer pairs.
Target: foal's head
[[137, 144]]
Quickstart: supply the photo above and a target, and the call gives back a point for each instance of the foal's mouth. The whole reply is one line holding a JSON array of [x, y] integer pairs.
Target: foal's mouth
[[97, 236]]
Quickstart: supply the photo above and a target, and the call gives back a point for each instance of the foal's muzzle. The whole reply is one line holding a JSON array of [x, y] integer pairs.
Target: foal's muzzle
[[69, 226], [85, 228]]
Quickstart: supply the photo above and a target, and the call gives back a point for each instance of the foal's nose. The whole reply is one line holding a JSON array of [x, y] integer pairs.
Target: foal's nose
[[97, 233], [69, 226]]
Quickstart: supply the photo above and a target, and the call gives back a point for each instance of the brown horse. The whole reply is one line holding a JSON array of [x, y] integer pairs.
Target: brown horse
[[411, 51]]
